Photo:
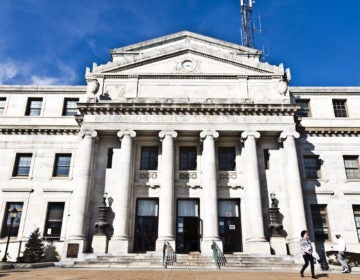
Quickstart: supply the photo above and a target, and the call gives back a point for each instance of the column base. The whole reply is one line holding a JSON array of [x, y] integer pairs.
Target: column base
[[160, 244], [257, 247], [206, 246], [278, 246], [100, 243], [118, 246]]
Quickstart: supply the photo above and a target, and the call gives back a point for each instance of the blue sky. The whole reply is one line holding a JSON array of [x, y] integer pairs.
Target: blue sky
[[51, 41]]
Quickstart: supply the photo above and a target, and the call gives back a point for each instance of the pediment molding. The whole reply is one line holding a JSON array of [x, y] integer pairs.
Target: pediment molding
[[115, 67]]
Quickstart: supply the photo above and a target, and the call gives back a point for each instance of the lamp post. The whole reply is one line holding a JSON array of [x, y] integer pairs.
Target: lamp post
[[13, 213]]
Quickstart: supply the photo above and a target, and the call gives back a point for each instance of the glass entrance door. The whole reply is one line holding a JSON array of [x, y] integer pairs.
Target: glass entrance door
[[188, 226], [230, 225], [146, 225]]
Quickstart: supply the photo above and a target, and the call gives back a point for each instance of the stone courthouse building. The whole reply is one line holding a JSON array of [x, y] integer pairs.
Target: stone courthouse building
[[185, 137]]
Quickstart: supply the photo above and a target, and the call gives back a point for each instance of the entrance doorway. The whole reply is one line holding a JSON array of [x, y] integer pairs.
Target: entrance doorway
[[188, 226], [146, 225], [230, 225]]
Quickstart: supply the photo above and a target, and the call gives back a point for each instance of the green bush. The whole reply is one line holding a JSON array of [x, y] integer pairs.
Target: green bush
[[34, 249], [353, 259]]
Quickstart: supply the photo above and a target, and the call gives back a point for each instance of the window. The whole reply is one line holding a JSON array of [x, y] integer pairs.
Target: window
[[33, 107], [62, 165], [149, 158], [70, 107], [312, 167], [339, 106], [54, 219], [356, 209], [7, 220], [22, 165], [266, 158], [351, 164], [226, 158], [2, 105], [109, 157], [187, 158], [320, 222], [304, 107]]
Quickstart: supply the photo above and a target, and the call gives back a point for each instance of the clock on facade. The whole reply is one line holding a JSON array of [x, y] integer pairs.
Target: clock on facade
[[187, 65]]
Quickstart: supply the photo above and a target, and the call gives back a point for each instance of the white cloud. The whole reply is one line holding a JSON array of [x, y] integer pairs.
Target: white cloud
[[66, 76], [8, 70]]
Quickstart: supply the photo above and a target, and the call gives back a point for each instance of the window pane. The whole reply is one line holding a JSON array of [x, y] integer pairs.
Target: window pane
[[70, 107], [2, 105], [356, 209], [149, 158], [34, 107], [147, 207], [54, 219], [188, 208], [351, 164], [7, 219], [320, 223], [304, 108], [187, 158], [312, 167], [228, 208], [339, 106], [22, 165], [62, 165], [226, 158]]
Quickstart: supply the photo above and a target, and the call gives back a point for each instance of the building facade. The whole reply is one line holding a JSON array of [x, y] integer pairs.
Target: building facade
[[185, 137]]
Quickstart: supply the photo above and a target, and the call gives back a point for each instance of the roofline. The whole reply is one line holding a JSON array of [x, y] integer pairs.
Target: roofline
[[180, 35], [35, 88], [334, 89]]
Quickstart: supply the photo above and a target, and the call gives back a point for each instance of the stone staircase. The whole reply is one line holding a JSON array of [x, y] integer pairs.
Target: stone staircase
[[237, 261]]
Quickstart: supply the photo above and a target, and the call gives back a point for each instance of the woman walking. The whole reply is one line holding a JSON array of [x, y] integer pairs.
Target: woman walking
[[307, 250]]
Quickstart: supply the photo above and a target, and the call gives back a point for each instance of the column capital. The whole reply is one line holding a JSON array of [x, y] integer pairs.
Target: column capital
[[288, 135], [171, 133], [209, 132], [88, 132], [246, 134], [122, 133]]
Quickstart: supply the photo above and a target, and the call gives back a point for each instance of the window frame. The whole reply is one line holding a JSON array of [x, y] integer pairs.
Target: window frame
[[356, 211], [320, 210], [47, 225], [15, 229], [190, 163], [229, 163], [66, 109], [308, 168], [347, 168], [340, 108], [2, 105], [151, 162], [15, 172], [303, 113], [56, 165], [30, 108]]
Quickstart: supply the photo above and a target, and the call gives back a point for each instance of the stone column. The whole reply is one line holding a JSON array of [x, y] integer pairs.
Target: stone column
[[209, 187], [297, 220], [166, 202], [255, 240], [121, 202], [81, 189]]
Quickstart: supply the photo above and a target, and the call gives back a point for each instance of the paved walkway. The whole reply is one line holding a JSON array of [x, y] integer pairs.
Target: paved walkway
[[78, 274]]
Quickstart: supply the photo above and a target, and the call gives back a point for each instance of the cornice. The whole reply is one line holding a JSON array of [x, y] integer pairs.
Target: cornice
[[18, 89], [324, 91], [39, 131], [130, 108], [330, 131], [187, 77]]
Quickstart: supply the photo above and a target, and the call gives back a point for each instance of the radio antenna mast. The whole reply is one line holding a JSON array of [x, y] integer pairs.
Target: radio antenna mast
[[247, 29]]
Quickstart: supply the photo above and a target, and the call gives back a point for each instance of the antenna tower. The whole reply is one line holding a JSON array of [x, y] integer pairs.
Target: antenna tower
[[247, 24]]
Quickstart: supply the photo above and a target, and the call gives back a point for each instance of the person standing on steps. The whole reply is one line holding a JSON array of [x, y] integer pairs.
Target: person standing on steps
[[342, 252], [307, 250]]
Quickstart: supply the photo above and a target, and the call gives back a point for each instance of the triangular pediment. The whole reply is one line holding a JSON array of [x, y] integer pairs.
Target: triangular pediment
[[186, 53]]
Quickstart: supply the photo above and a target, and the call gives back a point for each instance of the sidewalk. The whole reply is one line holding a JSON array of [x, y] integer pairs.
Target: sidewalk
[[170, 274]]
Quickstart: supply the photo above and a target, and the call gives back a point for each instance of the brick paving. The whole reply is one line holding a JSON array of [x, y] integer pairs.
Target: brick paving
[[170, 274]]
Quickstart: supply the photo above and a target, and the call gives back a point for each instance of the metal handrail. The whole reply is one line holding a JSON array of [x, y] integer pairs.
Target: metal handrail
[[218, 255], [169, 255]]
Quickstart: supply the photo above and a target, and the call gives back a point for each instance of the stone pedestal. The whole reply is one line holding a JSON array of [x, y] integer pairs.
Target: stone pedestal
[[278, 245], [100, 243], [206, 247]]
